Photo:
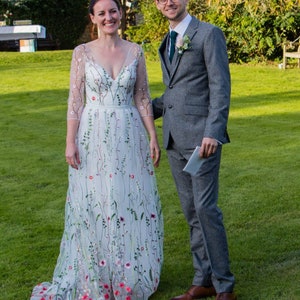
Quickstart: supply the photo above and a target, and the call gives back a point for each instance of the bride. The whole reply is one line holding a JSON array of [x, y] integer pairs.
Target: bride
[[112, 245]]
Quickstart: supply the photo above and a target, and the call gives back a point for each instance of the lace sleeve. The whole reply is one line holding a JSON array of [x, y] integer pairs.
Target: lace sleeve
[[76, 92], [141, 92]]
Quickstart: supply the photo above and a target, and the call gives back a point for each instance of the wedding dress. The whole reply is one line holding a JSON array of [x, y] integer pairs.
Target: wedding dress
[[113, 237]]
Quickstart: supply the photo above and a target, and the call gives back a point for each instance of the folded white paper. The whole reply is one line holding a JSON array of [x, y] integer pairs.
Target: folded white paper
[[194, 163]]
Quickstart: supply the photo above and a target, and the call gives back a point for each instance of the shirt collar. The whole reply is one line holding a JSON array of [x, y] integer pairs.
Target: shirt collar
[[183, 25]]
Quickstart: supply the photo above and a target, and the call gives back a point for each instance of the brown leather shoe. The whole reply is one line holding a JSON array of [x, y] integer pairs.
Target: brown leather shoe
[[197, 292], [226, 296]]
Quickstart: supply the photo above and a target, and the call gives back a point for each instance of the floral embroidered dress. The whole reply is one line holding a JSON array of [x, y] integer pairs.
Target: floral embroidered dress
[[113, 237]]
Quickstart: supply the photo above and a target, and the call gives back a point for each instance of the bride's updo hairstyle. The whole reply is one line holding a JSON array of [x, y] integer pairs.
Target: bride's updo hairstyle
[[93, 2]]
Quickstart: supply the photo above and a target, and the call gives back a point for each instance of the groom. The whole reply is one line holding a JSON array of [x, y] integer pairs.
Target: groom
[[195, 107]]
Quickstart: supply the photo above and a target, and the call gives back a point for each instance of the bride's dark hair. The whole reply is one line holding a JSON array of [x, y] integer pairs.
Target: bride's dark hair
[[93, 2]]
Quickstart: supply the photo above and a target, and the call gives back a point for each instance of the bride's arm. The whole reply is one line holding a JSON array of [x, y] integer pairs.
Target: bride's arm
[[143, 103], [75, 106]]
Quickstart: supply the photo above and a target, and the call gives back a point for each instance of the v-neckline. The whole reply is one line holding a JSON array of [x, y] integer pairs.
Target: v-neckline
[[107, 73], [96, 63]]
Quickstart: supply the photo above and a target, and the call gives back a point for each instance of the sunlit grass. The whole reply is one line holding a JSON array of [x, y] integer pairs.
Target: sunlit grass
[[259, 179]]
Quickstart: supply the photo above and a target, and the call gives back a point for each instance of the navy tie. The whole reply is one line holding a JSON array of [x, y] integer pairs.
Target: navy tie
[[173, 36]]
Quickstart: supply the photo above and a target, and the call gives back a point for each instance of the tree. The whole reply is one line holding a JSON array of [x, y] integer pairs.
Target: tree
[[255, 30], [65, 20]]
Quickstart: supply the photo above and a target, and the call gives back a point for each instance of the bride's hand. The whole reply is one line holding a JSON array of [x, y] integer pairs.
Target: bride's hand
[[72, 155], [155, 152]]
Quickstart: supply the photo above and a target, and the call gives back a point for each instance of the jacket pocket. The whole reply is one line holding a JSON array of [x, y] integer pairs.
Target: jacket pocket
[[199, 110]]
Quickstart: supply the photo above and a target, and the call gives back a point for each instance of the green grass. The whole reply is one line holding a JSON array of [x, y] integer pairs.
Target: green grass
[[259, 180]]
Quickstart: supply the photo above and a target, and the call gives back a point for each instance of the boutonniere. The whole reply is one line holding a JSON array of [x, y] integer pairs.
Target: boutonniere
[[183, 43]]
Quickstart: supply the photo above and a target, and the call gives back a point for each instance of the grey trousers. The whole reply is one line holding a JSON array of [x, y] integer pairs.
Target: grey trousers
[[199, 196]]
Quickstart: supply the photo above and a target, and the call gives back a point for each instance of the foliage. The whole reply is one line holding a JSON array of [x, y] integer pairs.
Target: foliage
[[197, 8], [259, 179], [65, 20], [151, 29], [255, 30]]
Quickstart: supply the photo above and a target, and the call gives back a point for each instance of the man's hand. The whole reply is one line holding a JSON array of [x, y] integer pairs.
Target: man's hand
[[208, 147]]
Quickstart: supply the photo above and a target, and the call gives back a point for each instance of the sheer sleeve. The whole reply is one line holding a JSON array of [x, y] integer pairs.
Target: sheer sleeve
[[141, 91], [76, 92]]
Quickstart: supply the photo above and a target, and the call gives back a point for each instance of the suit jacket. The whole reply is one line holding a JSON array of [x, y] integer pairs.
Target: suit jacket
[[196, 100]]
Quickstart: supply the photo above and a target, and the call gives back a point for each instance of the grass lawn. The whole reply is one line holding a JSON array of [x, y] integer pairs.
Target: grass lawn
[[259, 180]]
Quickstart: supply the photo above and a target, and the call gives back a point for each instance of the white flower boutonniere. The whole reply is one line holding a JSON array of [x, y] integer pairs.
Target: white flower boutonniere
[[183, 43]]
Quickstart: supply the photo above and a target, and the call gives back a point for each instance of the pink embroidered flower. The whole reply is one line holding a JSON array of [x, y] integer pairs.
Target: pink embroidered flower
[[102, 263], [122, 285], [106, 296], [93, 98], [91, 177], [127, 265], [118, 263], [110, 175], [128, 289], [85, 297], [128, 298], [117, 293], [131, 176], [106, 286], [70, 267]]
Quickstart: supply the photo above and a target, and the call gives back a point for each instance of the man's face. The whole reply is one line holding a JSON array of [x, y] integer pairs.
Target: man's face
[[174, 10]]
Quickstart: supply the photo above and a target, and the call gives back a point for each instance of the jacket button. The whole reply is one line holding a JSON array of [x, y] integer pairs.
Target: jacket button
[[170, 106], [170, 86]]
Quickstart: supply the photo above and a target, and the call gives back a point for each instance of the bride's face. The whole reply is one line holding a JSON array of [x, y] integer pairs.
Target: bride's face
[[107, 16]]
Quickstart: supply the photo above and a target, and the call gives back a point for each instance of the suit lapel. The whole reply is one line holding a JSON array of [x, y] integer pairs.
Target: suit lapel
[[163, 54]]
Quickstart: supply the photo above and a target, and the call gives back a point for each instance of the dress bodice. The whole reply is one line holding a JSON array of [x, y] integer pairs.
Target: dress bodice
[[102, 89], [91, 84]]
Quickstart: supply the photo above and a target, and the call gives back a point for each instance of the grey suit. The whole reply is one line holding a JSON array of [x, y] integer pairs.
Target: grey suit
[[195, 104]]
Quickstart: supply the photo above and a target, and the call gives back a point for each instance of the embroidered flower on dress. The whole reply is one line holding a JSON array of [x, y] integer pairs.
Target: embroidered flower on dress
[[183, 43], [102, 263]]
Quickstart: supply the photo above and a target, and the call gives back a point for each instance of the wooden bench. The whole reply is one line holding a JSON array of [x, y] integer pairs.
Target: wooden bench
[[289, 51]]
